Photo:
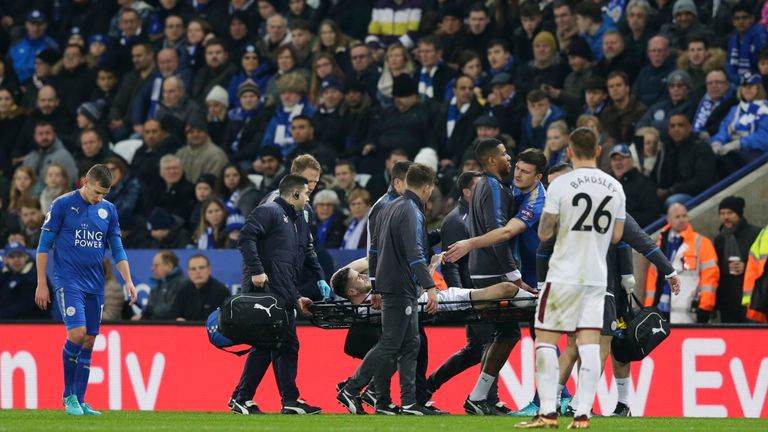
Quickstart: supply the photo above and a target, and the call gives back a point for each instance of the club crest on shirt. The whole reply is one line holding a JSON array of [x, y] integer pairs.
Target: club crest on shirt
[[103, 213], [527, 214]]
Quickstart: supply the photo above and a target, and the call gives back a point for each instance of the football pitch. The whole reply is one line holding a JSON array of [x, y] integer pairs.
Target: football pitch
[[127, 421]]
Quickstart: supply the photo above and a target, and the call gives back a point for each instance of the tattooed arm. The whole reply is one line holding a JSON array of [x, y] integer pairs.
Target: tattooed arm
[[548, 226]]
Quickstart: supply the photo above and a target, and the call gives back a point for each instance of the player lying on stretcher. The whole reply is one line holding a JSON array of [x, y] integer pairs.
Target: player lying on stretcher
[[351, 282]]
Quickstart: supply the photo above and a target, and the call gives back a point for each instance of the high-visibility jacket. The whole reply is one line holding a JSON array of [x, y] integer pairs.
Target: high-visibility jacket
[[696, 264], [755, 286]]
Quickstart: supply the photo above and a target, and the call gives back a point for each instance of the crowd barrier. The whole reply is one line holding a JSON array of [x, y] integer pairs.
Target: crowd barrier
[[696, 372]]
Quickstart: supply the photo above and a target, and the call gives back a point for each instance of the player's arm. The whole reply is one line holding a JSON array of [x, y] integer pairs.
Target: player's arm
[[618, 231], [413, 227], [48, 233], [548, 226], [257, 225], [503, 234], [121, 262]]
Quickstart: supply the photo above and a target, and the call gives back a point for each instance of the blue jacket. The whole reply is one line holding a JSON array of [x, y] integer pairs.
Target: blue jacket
[[596, 41], [276, 241], [743, 51], [278, 130], [755, 125], [260, 76], [536, 137], [24, 53], [651, 83]]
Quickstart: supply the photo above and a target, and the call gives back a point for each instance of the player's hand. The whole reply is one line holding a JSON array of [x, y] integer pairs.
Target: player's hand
[[376, 301], [457, 251], [303, 304], [431, 307], [674, 284], [131, 293], [42, 297], [259, 280], [628, 282], [434, 262]]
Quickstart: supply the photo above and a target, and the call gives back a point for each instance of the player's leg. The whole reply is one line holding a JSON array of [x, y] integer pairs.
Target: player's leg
[[589, 326], [621, 374], [93, 308], [407, 363], [256, 365], [478, 335], [72, 305], [567, 361], [609, 325], [286, 365]]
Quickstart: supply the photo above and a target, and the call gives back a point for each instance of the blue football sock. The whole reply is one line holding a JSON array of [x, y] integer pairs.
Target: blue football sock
[[69, 355], [536, 398], [565, 393], [82, 373]]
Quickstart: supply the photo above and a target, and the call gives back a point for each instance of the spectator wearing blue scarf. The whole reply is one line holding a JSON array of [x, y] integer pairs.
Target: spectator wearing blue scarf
[[293, 102], [748, 39], [251, 68]]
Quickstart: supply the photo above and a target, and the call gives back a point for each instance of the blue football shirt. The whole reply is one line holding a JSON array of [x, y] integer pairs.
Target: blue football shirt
[[82, 230], [529, 208]]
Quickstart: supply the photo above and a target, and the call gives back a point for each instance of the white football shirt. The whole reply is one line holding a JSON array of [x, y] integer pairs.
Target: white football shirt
[[589, 202]]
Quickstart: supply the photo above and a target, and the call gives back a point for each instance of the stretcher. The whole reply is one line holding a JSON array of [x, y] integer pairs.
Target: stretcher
[[343, 314]]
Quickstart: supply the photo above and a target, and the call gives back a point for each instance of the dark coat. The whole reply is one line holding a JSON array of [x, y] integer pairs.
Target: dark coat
[[511, 115], [641, 197], [74, 87], [409, 130], [626, 62], [687, 167], [178, 199], [730, 289], [453, 229], [162, 296], [207, 78], [440, 80], [17, 294], [463, 132], [619, 124], [195, 304], [250, 131]]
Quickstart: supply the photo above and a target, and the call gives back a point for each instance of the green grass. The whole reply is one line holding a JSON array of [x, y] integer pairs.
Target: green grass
[[127, 421]]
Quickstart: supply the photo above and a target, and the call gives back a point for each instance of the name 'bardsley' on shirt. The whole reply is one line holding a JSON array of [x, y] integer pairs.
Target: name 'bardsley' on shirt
[[585, 179]]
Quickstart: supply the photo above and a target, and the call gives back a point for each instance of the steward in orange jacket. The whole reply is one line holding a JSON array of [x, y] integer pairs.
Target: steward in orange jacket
[[756, 280]]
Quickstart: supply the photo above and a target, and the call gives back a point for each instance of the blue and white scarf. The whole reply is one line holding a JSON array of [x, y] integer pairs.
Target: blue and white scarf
[[426, 87], [747, 117], [322, 230], [154, 98], [740, 55], [454, 115], [239, 114], [354, 233], [283, 136], [705, 109], [206, 240], [506, 67]]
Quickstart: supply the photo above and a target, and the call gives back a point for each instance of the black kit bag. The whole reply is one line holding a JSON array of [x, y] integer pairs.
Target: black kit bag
[[646, 329], [257, 319]]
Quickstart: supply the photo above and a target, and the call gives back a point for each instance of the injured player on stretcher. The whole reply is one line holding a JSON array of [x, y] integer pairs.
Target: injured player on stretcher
[[351, 282]]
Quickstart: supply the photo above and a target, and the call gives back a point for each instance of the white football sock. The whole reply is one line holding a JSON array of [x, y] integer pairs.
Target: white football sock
[[483, 386], [547, 374], [589, 375], [623, 386]]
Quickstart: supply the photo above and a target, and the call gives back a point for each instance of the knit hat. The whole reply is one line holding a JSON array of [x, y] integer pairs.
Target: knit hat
[[246, 87], [251, 48], [159, 219], [273, 151], [292, 82], [48, 56], [208, 179], [486, 120], [35, 16], [98, 37], [684, 6], [681, 77], [580, 48], [235, 222], [14, 247], [91, 110], [733, 203], [596, 83], [403, 86], [197, 122], [427, 156], [219, 95], [331, 82], [547, 38], [750, 78]]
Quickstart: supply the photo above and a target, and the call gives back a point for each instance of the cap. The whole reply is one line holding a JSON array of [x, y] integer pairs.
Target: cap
[[251, 48], [620, 149], [235, 222], [684, 6], [373, 42], [219, 95], [750, 78], [580, 48], [731, 203], [273, 151], [15, 247], [48, 56], [331, 82], [35, 16], [681, 77], [248, 86], [486, 120], [159, 219], [404, 85], [98, 37], [208, 179], [502, 78]]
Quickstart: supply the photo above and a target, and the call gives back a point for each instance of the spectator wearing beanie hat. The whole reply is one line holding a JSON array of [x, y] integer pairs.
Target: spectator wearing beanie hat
[[252, 67], [732, 245], [678, 101], [293, 91], [205, 187], [330, 123], [547, 68], [404, 125], [571, 96], [166, 231], [43, 74], [217, 105], [684, 25], [247, 122]]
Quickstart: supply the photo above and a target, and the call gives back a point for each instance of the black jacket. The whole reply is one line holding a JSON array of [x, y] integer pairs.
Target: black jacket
[[276, 241], [641, 197], [410, 130], [373, 224], [248, 132], [399, 250], [491, 207], [625, 62], [17, 293], [443, 75], [453, 229], [195, 304], [464, 133], [730, 288], [331, 127], [207, 78], [74, 87], [324, 154], [178, 200], [688, 167], [511, 114]]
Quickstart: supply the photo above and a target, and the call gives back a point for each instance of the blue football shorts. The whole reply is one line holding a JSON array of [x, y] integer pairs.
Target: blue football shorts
[[81, 309]]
